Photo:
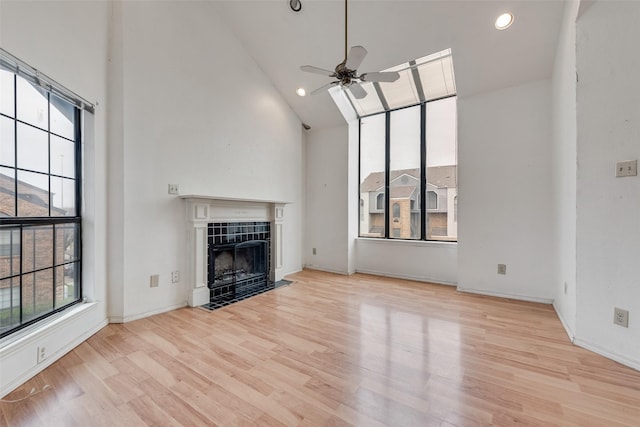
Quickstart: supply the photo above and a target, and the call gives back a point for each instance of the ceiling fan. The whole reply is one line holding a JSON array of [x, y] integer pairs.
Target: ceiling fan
[[345, 73]]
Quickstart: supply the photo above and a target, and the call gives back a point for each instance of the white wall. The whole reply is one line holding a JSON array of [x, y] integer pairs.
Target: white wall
[[563, 90], [198, 112], [608, 230], [433, 262], [505, 195], [66, 40], [326, 221]]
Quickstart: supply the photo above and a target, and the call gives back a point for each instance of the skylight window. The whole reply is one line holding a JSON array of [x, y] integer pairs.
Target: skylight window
[[425, 79]]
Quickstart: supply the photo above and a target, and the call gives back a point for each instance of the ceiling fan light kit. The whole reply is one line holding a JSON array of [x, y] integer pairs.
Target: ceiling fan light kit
[[346, 74]]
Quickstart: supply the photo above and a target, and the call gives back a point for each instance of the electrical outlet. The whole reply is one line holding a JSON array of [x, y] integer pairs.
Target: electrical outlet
[[154, 280], [174, 189], [627, 168], [502, 268], [42, 353], [313, 251], [175, 276], [621, 317]]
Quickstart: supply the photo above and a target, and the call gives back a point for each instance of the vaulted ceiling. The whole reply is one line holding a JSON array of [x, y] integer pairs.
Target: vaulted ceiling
[[394, 31]]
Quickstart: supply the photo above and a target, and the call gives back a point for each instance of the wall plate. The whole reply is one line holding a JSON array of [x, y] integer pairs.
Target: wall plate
[[627, 168]]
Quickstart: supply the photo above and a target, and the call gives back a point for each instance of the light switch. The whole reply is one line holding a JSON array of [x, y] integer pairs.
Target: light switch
[[627, 168]]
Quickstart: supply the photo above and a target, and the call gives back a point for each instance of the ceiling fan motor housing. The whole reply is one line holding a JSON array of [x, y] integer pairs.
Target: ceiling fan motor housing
[[345, 75]]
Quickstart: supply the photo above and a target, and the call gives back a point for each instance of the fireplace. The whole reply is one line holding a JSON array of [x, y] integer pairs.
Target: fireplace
[[238, 259], [217, 225]]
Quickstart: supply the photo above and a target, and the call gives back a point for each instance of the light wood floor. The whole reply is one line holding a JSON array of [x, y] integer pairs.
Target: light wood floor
[[332, 350]]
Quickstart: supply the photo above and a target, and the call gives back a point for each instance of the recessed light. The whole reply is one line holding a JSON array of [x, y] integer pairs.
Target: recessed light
[[504, 21], [301, 92]]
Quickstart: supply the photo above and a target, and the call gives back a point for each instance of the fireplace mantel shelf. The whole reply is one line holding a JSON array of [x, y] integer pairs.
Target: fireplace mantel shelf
[[231, 199]]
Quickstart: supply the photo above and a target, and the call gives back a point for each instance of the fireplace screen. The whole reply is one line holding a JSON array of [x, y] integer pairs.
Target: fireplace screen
[[238, 263]]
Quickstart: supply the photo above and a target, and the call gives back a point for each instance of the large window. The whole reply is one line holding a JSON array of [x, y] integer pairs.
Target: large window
[[409, 155], [40, 224]]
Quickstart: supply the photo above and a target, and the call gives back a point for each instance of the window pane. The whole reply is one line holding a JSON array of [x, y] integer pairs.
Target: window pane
[[9, 303], [437, 78], [402, 92], [32, 103], [9, 251], [7, 94], [37, 248], [370, 104], [33, 149], [372, 175], [7, 192], [37, 294], [62, 118], [404, 180], [63, 197], [67, 284], [33, 194], [442, 186], [7, 142], [67, 238], [63, 157]]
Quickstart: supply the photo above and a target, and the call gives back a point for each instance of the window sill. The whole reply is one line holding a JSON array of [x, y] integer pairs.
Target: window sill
[[417, 243], [17, 340]]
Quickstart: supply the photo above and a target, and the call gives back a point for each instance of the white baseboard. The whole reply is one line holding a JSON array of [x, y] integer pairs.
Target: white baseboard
[[125, 319], [406, 277], [291, 272], [565, 325], [627, 361], [328, 270], [507, 296]]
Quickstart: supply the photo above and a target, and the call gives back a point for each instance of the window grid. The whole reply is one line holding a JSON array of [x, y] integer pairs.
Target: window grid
[[40, 270]]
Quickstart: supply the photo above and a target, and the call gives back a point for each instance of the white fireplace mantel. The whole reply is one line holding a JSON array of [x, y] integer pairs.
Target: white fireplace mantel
[[202, 210]]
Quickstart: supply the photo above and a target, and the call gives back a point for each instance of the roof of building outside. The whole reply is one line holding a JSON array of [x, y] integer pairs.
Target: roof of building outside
[[438, 176], [28, 192], [402, 192]]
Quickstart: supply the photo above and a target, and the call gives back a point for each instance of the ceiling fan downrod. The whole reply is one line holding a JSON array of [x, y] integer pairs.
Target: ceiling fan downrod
[[345, 30]]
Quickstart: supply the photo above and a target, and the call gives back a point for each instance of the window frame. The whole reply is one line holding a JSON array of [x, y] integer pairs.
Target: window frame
[[422, 196], [26, 223]]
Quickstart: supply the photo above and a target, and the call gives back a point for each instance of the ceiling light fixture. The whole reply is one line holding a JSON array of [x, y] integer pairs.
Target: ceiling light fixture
[[301, 92], [295, 5], [504, 21]]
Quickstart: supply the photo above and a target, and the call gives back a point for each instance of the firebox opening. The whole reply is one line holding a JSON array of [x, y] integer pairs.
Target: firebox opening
[[239, 260]]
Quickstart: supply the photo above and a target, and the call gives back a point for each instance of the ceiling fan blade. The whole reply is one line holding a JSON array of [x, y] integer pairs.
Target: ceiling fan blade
[[321, 88], [316, 70], [355, 58], [358, 91], [384, 76]]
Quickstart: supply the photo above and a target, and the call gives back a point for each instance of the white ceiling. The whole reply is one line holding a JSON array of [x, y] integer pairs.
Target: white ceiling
[[394, 31]]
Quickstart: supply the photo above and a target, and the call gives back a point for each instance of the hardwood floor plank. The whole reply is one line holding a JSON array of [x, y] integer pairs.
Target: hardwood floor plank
[[177, 408], [332, 350], [150, 413]]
